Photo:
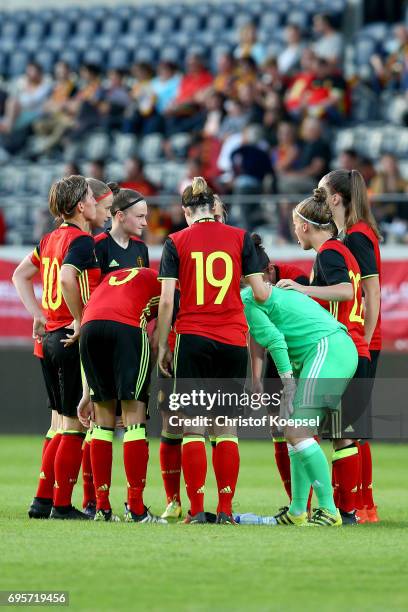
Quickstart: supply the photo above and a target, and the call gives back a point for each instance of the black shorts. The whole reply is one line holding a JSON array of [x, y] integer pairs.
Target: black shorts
[[62, 372], [199, 360], [116, 361]]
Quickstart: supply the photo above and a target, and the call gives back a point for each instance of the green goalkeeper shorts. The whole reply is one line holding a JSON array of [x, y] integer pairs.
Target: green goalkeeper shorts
[[325, 374]]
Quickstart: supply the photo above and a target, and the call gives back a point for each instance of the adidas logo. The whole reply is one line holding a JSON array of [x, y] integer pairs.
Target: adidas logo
[[201, 489], [226, 490], [113, 263], [354, 490], [350, 429], [103, 487], [42, 476]]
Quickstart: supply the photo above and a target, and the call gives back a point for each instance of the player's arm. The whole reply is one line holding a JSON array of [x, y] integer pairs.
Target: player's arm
[[363, 250], [333, 269], [256, 353], [267, 335], [80, 256], [251, 271], [23, 281], [168, 275]]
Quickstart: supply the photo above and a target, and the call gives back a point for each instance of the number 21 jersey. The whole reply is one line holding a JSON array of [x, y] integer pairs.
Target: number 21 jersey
[[208, 259], [67, 245]]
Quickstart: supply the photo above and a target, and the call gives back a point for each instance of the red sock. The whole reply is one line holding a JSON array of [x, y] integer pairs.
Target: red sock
[[194, 462], [309, 500], [283, 464], [345, 475], [367, 474], [101, 465], [46, 483], [226, 468], [67, 463], [135, 456], [359, 495], [170, 464], [45, 445], [87, 476]]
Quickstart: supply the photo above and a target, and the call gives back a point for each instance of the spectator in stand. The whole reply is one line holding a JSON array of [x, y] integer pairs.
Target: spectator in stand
[[165, 85], [56, 121], [349, 160], [183, 114], [141, 116], [226, 75], [247, 95], [248, 46], [71, 168], [327, 95], [289, 59], [367, 170], [329, 44], [271, 80], [389, 67], [97, 170], [312, 163], [136, 179], [251, 166], [115, 99], [300, 85], [236, 118], [26, 103], [274, 113], [84, 105], [286, 153], [215, 113], [392, 216]]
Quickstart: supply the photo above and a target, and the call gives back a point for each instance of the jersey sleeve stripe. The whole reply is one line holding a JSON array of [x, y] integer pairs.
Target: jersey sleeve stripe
[[253, 274], [35, 254], [72, 266], [160, 278], [369, 276]]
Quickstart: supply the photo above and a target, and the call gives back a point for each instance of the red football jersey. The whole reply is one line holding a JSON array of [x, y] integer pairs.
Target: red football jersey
[[364, 229], [66, 245], [349, 312], [290, 271], [129, 296], [208, 259]]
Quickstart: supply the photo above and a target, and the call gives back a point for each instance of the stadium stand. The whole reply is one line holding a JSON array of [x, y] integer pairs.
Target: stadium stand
[[178, 85]]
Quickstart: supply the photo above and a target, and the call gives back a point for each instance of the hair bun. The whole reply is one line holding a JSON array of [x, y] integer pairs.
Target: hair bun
[[319, 195], [257, 240], [114, 187], [198, 186]]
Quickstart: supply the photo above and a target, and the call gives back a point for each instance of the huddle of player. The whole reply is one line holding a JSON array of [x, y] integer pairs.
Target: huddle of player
[[102, 291]]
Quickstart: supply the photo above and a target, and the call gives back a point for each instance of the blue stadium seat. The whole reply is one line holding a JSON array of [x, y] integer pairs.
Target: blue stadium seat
[[165, 24], [242, 19], [54, 44], [378, 31], [139, 25], [94, 56], [124, 12], [145, 54], [79, 43], [36, 29], [107, 42], [72, 57], [171, 53], [61, 28], [191, 23], [364, 49], [98, 13], [119, 57], [299, 18], [17, 63], [46, 59], [113, 26], [86, 27], [274, 48], [3, 63], [217, 22], [157, 39], [11, 30], [176, 10], [270, 21]]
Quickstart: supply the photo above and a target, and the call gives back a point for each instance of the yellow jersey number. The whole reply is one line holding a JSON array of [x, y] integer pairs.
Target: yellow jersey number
[[354, 317], [113, 281], [205, 270], [51, 280]]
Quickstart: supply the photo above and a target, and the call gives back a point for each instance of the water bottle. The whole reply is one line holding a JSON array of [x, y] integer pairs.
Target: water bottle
[[254, 519]]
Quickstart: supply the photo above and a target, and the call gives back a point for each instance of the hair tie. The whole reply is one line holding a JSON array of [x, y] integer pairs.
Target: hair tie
[[312, 222]]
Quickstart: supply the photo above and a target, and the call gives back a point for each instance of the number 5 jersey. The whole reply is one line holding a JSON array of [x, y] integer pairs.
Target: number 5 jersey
[[208, 259]]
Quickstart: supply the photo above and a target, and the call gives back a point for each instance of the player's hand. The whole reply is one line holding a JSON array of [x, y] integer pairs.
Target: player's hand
[[85, 411], [257, 386], [165, 361], [288, 283], [288, 394], [39, 327], [71, 339]]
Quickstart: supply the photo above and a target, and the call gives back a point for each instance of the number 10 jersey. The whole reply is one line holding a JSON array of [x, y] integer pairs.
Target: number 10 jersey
[[67, 245], [208, 259]]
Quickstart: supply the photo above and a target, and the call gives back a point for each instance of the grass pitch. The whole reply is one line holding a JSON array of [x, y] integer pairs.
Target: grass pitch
[[208, 567]]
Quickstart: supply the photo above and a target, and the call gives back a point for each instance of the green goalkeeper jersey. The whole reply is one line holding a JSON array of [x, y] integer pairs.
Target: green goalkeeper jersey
[[288, 324]]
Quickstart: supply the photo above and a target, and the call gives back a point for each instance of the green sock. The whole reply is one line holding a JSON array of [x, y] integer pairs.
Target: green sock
[[300, 484], [315, 464]]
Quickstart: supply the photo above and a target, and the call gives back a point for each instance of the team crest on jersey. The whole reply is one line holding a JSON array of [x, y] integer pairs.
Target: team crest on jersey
[[113, 263], [139, 262]]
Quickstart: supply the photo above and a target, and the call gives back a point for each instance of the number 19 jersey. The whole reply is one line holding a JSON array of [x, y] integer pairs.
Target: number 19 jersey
[[71, 246], [208, 259]]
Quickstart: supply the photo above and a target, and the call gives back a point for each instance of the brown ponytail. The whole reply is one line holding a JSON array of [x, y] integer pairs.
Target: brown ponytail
[[198, 194], [351, 186]]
